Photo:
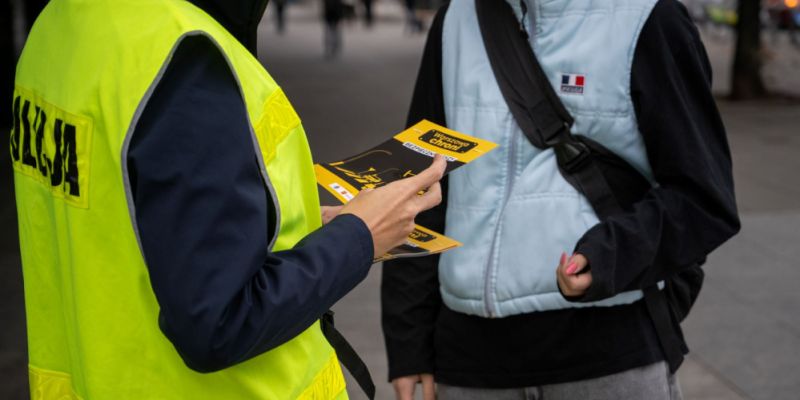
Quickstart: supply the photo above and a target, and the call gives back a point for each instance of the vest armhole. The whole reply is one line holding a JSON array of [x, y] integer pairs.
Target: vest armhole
[[274, 215]]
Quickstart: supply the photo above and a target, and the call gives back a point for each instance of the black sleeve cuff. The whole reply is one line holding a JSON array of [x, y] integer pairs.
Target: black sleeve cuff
[[602, 275], [360, 233]]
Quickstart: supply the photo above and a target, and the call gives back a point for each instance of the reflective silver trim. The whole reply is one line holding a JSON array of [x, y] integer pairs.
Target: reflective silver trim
[[138, 114]]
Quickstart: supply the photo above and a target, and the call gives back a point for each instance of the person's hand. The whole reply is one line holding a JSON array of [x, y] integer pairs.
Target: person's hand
[[389, 211], [329, 213], [573, 278], [404, 387]]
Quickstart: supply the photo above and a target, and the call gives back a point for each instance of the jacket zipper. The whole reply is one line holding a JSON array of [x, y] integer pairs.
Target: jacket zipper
[[490, 264]]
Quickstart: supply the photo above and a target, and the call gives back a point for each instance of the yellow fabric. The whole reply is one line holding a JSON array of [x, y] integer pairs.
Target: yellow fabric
[[84, 76], [51, 385]]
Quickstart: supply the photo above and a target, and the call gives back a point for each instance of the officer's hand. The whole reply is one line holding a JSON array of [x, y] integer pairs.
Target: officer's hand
[[404, 387], [329, 213], [573, 278], [389, 211]]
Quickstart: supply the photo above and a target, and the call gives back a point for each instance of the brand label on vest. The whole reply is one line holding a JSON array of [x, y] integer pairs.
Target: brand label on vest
[[572, 83], [51, 146]]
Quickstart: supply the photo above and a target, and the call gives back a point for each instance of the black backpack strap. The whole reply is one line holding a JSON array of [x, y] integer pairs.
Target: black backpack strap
[[580, 168], [659, 311], [546, 123], [347, 355], [536, 107], [531, 99]]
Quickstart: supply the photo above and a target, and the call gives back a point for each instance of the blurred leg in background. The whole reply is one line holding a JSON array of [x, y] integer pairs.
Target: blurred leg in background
[[413, 23], [368, 17], [333, 12], [280, 18]]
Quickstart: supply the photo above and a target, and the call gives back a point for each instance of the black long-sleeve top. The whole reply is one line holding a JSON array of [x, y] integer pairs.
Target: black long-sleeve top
[[205, 220], [677, 224]]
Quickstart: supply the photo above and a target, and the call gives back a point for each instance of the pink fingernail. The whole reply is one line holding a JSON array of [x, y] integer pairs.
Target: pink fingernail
[[571, 268]]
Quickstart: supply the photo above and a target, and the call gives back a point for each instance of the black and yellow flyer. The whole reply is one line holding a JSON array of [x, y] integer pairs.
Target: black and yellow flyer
[[406, 154]]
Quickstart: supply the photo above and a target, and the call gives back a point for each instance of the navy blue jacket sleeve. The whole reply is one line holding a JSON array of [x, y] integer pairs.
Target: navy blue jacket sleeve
[[693, 210], [205, 219]]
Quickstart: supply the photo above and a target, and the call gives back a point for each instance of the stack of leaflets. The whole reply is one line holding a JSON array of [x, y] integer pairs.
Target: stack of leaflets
[[406, 154]]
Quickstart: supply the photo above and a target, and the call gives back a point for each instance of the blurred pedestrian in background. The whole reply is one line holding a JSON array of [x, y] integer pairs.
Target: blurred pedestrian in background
[[332, 14], [413, 23], [368, 17], [783, 16], [280, 15]]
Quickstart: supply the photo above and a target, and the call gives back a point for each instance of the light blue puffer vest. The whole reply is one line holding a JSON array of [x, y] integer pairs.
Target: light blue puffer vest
[[512, 209]]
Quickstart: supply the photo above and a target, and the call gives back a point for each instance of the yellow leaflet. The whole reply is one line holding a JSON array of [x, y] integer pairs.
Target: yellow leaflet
[[334, 184], [447, 142], [402, 156], [430, 240]]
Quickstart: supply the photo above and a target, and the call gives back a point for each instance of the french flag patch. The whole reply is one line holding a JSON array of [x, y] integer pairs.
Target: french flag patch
[[572, 83]]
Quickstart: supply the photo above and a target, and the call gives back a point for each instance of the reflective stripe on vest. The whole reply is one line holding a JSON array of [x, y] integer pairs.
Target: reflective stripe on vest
[[83, 79]]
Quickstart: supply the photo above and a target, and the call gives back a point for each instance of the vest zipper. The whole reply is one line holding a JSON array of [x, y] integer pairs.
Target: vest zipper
[[490, 264]]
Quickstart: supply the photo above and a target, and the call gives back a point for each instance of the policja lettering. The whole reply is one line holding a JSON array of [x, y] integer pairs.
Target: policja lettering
[[46, 145]]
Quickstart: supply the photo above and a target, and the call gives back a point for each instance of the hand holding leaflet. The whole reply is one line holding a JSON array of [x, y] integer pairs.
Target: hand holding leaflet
[[405, 155], [391, 228]]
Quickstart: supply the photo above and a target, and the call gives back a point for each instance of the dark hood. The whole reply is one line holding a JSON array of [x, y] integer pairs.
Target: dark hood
[[239, 17]]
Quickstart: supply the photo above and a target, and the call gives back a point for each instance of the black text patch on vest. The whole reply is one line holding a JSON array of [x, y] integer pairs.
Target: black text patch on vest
[[51, 146]]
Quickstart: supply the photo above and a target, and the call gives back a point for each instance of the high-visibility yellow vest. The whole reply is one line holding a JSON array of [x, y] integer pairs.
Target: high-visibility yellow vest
[[82, 81]]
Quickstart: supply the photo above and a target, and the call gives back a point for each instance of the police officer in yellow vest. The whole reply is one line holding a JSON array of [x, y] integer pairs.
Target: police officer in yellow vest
[[169, 222]]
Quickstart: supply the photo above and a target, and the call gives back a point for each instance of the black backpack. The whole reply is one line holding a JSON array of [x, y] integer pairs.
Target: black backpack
[[609, 183]]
